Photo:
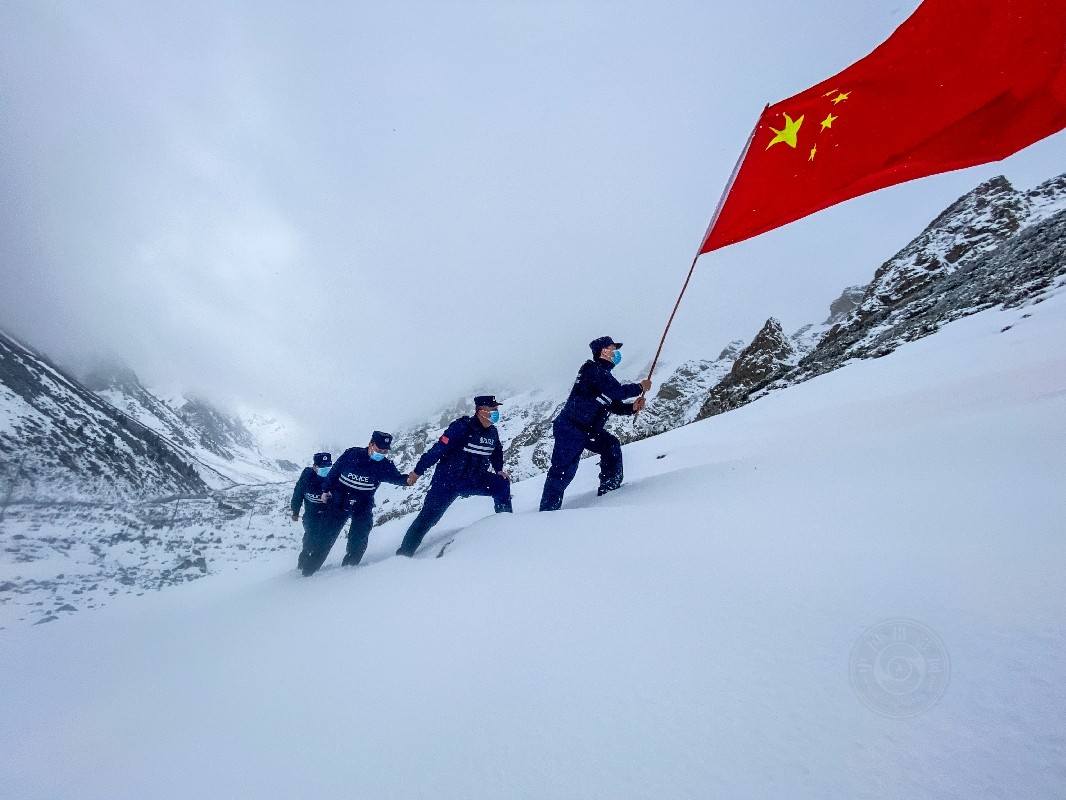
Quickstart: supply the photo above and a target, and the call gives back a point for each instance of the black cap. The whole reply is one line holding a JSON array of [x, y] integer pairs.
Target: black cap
[[596, 345], [487, 400], [381, 440], [323, 460]]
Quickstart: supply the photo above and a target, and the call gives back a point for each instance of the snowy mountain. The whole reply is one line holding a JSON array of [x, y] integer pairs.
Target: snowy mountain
[[851, 589], [215, 439], [61, 442]]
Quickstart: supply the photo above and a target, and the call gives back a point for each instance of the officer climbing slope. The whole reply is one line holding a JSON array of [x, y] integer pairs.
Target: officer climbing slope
[[596, 395], [470, 460], [321, 523], [350, 489]]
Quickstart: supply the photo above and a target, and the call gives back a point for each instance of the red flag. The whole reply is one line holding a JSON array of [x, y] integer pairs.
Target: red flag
[[961, 82]]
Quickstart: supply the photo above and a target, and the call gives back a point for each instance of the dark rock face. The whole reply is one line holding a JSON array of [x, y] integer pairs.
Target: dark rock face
[[769, 353], [1017, 269]]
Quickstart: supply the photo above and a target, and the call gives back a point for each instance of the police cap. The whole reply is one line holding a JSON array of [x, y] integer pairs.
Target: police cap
[[596, 345]]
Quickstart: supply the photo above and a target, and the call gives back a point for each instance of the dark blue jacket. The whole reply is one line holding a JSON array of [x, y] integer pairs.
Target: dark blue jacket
[[355, 477], [465, 451], [308, 491], [597, 394]]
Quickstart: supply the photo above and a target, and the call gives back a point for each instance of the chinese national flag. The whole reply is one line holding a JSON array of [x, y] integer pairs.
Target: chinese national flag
[[961, 82]]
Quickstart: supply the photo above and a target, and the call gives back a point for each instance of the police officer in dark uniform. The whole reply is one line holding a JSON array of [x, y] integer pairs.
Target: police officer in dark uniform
[[318, 519], [596, 395], [350, 488], [471, 462]]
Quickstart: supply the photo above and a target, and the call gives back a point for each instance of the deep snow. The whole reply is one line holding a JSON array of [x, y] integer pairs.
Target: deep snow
[[688, 636]]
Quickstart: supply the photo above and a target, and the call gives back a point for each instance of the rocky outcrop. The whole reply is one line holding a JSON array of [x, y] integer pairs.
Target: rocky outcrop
[[1015, 256], [769, 354], [994, 246]]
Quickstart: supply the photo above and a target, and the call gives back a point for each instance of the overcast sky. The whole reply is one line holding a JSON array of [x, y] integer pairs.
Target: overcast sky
[[351, 213]]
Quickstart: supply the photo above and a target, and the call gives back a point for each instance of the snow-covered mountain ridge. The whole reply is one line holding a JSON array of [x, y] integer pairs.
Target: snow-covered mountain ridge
[[995, 246]]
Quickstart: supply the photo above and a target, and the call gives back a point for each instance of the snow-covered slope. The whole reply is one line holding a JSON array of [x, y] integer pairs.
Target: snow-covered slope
[[709, 630]]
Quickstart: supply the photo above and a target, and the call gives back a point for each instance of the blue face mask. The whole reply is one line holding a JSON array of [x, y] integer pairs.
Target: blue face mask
[[616, 357], [377, 456], [494, 416], [322, 471]]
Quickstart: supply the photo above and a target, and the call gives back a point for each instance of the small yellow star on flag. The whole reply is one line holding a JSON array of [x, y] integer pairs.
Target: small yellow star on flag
[[786, 134], [813, 151], [841, 97], [828, 122]]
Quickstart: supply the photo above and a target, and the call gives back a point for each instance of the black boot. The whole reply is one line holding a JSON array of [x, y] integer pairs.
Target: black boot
[[609, 483]]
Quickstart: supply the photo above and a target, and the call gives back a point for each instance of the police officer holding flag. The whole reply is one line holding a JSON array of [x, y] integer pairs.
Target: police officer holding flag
[[596, 395]]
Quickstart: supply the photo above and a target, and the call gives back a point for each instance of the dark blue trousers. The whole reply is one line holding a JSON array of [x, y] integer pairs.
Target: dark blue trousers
[[358, 534], [320, 532], [442, 495], [570, 442]]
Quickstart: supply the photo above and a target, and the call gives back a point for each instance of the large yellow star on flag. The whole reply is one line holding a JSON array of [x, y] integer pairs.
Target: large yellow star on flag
[[786, 134]]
